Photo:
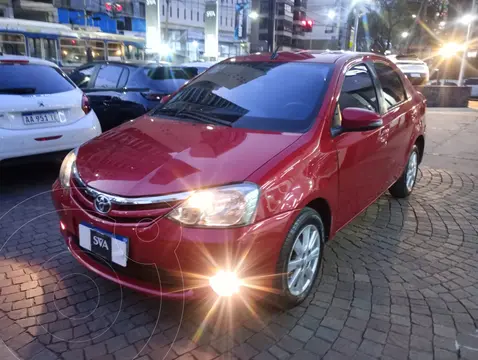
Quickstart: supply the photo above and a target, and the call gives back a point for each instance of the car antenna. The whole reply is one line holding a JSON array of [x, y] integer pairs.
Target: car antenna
[[275, 54]]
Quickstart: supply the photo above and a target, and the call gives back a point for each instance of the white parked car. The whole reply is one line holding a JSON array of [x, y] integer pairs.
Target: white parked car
[[473, 83], [41, 109], [414, 69]]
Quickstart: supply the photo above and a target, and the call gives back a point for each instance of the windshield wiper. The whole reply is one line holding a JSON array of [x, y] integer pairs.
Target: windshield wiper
[[204, 118], [18, 91]]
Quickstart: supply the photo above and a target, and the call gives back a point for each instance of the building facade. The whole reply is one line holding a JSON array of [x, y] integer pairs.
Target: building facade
[[288, 29], [185, 24], [184, 21], [330, 30]]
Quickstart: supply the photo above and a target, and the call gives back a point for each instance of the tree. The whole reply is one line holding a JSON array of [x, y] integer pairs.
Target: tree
[[385, 20], [395, 14]]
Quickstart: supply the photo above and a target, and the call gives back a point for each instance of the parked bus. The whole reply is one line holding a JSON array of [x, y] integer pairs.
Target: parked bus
[[64, 46]]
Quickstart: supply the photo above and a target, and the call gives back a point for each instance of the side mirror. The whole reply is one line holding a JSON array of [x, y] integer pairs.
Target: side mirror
[[357, 119]]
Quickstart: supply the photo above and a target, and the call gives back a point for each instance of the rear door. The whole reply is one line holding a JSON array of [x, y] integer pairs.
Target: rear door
[[109, 102], [397, 116], [36, 96]]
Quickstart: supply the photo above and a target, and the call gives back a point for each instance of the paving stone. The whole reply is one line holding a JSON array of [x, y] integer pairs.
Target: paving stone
[[327, 334], [371, 348], [278, 352], [398, 340], [76, 354], [290, 344], [345, 346], [244, 351], [300, 333], [420, 355], [95, 351], [374, 335]]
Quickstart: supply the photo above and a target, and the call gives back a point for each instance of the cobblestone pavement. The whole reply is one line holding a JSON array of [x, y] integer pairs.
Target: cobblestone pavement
[[400, 282]]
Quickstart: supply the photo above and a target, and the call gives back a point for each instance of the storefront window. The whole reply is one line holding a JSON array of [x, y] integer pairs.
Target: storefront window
[[12, 44], [73, 51]]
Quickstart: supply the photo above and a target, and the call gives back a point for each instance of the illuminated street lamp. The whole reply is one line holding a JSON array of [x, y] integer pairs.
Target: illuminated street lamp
[[450, 49], [414, 16], [405, 34], [468, 20], [254, 15]]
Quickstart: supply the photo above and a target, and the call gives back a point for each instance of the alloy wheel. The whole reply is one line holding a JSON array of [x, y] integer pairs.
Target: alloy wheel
[[303, 260]]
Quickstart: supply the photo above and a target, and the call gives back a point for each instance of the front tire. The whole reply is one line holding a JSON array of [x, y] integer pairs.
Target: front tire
[[405, 184], [300, 258]]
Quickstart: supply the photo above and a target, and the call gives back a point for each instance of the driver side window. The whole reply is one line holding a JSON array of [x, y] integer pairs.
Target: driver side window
[[358, 91]]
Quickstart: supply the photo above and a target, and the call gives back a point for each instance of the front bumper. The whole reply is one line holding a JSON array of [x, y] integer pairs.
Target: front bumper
[[181, 260]]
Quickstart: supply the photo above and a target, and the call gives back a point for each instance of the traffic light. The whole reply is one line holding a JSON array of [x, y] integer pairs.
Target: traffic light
[[113, 9], [307, 24]]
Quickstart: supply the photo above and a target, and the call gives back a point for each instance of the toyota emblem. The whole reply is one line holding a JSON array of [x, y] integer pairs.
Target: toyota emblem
[[102, 204]]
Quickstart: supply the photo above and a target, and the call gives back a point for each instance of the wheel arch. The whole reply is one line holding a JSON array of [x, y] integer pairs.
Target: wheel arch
[[420, 142], [323, 208]]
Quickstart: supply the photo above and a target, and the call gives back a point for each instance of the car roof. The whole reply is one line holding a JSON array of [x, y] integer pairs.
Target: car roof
[[31, 60], [315, 56]]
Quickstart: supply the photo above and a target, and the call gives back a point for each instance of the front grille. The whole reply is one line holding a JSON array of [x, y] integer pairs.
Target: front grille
[[143, 215]]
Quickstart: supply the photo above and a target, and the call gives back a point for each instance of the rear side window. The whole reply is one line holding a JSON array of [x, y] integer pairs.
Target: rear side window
[[33, 79], [108, 76], [393, 90], [167, 73]]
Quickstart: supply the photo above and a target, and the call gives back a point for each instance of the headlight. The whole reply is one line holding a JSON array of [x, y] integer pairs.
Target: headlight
[[66, 167], [232, 205]]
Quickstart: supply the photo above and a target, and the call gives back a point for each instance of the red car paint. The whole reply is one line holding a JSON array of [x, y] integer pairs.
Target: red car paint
[[339, 175]]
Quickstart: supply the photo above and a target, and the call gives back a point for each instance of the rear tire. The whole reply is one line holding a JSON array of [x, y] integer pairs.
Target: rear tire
[[300, 259], [405, 184]]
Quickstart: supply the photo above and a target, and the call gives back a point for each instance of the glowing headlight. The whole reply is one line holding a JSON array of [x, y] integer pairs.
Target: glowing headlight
[[232, 205], [225, 283], [66, 167]]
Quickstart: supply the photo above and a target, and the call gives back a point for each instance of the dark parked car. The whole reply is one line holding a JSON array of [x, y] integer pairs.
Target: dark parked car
[[119, 91]]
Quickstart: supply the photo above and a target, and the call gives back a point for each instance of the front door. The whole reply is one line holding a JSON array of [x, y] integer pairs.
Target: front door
[[361, 155]]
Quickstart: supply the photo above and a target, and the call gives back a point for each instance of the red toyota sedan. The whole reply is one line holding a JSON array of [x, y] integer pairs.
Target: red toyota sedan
[[234, 185]]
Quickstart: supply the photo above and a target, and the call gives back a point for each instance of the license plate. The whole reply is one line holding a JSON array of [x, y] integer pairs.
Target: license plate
[[40, 117], [112, 247], [415, 75]]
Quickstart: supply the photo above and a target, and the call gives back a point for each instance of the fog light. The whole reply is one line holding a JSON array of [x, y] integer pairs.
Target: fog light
[[62, 226], [225, 283]]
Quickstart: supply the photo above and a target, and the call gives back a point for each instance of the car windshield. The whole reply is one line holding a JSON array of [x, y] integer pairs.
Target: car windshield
[[272, 96], [32, 79], [167, 73]]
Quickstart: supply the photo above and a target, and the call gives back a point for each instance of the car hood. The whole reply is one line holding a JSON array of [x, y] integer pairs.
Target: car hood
[[151, 156]]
